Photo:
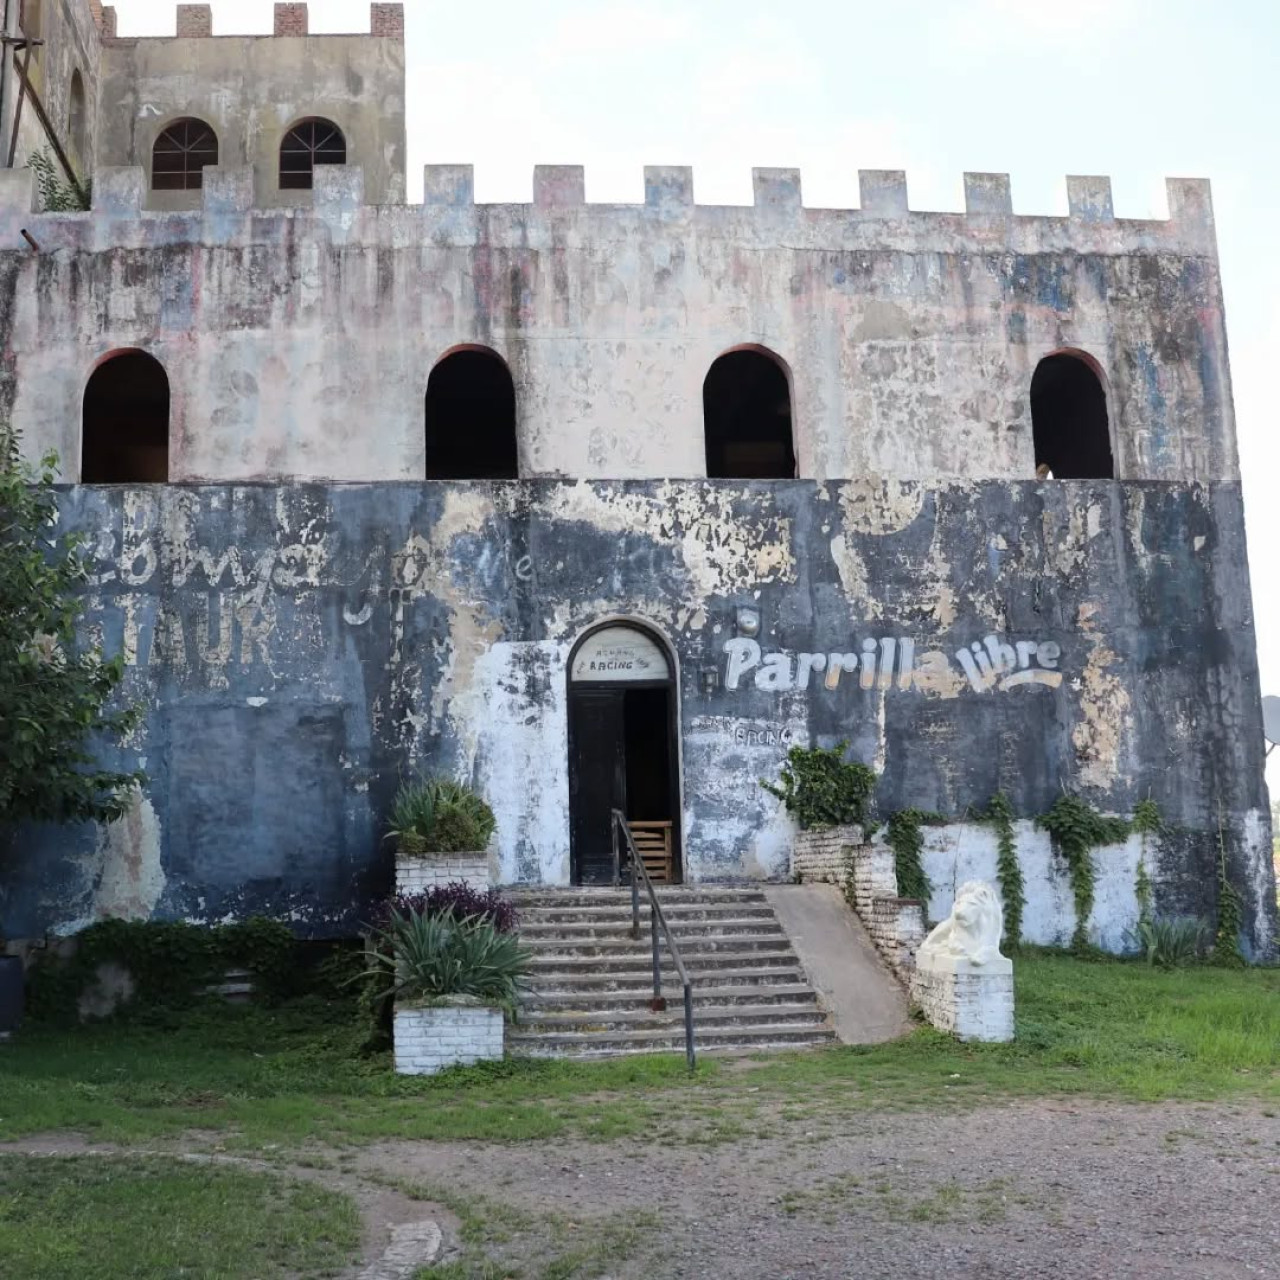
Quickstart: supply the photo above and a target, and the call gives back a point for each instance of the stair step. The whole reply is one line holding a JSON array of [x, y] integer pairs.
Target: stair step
[[639, 962], [614, 930], [722, 983], [672, 1018], [752, 991], [670, 895], [676, 913], [627, 947], [713, 1039]]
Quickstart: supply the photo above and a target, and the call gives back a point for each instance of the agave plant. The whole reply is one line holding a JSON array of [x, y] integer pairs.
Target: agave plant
[[1169, 943], [439, 815], [430, 957]]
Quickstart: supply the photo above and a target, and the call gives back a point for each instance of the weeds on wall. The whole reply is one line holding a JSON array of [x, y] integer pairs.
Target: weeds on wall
[[170, 963], [904, 837], [1076, 829], [1146, 821], [821, 789], [1226, 939], [56, 193], [1008, 870]]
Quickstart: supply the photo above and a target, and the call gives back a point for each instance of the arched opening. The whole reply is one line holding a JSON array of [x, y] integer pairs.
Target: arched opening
[[471, 418], [76, 118], [1069, 419], [126, 422], [309, 143], [746, 408], [623, 752], [180, 154]]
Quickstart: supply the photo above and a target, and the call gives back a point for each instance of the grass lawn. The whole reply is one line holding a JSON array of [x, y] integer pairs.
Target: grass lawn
[[266, 1078], [113, 1218]]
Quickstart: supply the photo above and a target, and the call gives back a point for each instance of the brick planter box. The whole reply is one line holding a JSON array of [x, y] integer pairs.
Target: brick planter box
[[822, 857], [457, 1032], [416, 873]]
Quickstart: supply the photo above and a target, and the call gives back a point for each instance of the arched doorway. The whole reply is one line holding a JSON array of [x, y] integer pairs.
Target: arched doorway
[[746, 409], [1069, 424], [125, 422], [622, 751]]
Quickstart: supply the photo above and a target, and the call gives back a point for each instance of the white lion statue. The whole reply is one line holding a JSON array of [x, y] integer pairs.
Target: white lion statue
[[971, 932]]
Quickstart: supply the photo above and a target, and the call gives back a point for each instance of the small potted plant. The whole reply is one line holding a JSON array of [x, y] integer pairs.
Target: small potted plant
[[454, 980], [442, 831]]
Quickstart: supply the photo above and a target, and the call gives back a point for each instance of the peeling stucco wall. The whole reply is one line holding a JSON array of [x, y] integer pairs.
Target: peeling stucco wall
[[911, 338], [299, 647]]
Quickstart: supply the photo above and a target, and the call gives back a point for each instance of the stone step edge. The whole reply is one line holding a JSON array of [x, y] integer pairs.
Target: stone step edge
[[712, 1035], [603, 1021]]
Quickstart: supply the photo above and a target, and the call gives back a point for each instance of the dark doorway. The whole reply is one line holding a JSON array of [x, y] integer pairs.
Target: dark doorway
[[746, 406], [471, 418], [126, 422], [622, 755], [1069, 420]]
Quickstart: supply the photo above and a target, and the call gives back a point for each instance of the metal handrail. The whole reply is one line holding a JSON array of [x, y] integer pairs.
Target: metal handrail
[[656, 918]]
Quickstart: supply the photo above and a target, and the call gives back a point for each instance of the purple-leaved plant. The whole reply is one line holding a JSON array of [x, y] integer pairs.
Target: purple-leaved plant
[[460, 900]]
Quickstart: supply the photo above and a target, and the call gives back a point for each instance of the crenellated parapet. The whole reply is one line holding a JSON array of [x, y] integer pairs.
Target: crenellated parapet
[[195, 22], [884, 220]]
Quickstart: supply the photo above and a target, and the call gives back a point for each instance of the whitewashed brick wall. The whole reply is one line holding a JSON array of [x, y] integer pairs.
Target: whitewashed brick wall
[[896, 925], [972, 1006], [418, 874], [429, 1038], [821, 857]]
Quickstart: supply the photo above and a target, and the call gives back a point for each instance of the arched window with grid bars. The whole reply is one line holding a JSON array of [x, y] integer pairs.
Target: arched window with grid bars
[[180, 154], [309, 143]]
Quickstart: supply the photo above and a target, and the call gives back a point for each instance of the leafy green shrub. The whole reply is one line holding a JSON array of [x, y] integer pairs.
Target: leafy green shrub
[[56, 193], [439, 815], [430, 957], [1170, 943], [820, 788], [171, 962]]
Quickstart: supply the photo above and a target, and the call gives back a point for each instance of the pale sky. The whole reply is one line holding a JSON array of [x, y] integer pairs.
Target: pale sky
[[1137, 89]]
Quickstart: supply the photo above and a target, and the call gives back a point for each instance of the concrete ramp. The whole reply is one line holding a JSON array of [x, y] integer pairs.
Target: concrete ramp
[[866, 1002]]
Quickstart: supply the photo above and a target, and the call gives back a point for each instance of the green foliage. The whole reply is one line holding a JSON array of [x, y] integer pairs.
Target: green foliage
[[171, 962], [820, 788], [1076, 830], [1172, 943], [1142, 891], [905, 839], [56, 193], [430, 957], [1226, 941], [1008, 870], [1147, 819], [56, 693], [439, 815]]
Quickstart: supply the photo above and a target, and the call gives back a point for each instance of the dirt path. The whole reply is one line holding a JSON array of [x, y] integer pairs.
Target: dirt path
[[1028, 1190], [1050, 1189]]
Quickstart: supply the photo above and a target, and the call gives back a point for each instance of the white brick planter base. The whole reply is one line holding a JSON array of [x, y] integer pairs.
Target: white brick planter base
[[417, 874], [972, 1004], [429, 1038]]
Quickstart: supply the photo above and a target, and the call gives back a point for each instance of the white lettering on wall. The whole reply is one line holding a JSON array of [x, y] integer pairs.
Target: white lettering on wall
[[889, 662]]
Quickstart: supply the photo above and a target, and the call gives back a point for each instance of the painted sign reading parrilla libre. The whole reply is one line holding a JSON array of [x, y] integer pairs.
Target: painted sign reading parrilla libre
[[890, 662]]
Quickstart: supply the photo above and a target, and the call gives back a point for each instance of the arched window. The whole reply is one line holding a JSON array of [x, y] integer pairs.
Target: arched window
[[746, 407], [180, 155], [1069, 419], [471, 418], [126, 422], [76, 117], [307, 144]]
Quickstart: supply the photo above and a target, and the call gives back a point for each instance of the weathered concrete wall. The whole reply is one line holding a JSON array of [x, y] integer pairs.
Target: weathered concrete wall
[[911, 338], [252, 90], [71, 43], [299, 646]]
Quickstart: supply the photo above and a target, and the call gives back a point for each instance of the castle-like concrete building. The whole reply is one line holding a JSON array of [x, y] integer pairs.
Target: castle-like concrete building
[[607, 505]]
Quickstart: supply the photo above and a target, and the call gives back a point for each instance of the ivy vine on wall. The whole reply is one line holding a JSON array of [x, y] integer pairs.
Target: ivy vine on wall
[[1146, 821], [1008, 870], [1076, 830], [905, 839], [821, 789], [1226, 938]]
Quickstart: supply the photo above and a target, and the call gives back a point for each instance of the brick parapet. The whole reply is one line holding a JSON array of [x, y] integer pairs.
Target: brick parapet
[[418, 875], [194, 21]]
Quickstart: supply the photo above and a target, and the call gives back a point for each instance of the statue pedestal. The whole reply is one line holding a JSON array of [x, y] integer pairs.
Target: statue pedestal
[[973, 1002]]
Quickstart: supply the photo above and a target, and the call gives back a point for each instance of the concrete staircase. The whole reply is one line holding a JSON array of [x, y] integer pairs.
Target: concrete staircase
[[592, 983]]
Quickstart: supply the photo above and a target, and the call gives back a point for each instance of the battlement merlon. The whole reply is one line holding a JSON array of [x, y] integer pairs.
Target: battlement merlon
[[195, 22], [884, 221]]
